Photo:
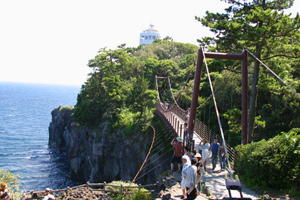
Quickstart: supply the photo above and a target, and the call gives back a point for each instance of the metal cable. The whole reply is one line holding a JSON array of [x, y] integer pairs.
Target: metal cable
[[273, 73], [217, 112]]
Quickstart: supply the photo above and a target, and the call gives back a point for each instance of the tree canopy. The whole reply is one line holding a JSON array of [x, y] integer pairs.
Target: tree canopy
[[120, 89], [263, 28]]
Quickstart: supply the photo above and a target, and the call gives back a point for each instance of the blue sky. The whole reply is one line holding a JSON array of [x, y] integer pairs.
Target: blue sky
[[43, 41]]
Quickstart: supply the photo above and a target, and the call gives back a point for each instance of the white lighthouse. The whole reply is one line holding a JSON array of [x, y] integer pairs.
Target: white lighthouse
[[149, 35]]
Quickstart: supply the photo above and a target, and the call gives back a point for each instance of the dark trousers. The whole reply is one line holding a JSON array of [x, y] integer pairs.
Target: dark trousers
[[192, 195]]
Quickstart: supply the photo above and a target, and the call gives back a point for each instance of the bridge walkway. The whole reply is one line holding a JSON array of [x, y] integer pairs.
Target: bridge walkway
[[214, 180]]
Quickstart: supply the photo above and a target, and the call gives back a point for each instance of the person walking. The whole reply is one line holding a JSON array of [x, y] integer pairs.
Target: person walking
[[199, 165], [177, 156], [186, 163], [205, 146], [166, 105], [214, 150], [222, 157], [191, 180]]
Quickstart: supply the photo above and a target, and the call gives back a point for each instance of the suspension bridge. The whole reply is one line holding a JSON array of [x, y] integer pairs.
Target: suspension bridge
[[174, 116], [169, 122]]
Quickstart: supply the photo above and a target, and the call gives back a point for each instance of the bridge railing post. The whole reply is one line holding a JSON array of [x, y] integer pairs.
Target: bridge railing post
[[173, 120], [175, 124], [180, 130]]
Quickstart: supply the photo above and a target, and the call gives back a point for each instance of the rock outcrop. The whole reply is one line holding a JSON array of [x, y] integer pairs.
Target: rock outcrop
[[98, 155]]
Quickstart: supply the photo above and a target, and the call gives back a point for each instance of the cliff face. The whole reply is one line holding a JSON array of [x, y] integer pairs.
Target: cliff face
[[95, 155]]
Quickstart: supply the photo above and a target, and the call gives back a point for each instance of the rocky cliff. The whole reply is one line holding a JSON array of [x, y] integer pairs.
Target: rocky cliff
[[98, 155]]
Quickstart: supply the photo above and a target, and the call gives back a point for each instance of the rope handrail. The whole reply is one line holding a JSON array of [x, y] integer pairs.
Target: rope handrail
[[268, 68], [154, 132]]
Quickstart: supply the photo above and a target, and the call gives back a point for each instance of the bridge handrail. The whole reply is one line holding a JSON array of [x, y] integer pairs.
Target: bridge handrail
[[201, 130]]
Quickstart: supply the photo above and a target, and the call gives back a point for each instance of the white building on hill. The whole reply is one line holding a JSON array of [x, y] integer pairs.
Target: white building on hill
[[149, 35]]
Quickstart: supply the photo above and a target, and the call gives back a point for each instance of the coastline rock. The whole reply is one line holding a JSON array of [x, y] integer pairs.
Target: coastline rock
[[98, 155]]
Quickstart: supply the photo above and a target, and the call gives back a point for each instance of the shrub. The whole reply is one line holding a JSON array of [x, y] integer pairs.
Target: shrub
[[274, 163], [140, 195], [137, 194]]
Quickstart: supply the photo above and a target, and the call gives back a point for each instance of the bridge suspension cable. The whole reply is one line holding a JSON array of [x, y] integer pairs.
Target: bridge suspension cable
[[268, 68], [148, 152], [155, 140], [217, 112]]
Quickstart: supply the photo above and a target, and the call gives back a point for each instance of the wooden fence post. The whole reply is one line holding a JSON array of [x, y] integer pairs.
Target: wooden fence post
[[121, 189], [104, 187]]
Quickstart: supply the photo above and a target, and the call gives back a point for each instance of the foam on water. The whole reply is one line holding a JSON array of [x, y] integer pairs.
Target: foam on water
[[25, 114]]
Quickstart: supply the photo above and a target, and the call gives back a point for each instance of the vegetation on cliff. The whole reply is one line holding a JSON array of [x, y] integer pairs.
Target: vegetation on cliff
[[120, 89]]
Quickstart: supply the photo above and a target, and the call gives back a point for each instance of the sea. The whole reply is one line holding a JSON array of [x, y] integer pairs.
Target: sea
[[25, 115]]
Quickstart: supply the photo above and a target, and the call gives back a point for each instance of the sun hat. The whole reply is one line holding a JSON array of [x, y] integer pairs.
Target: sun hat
[[179, 139], [198, 155]]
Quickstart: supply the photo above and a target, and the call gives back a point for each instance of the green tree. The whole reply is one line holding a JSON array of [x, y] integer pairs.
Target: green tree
[[120, 89], [259, 25]]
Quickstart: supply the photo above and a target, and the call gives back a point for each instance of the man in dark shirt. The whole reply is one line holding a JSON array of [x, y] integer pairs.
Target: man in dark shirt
[[214, 150], [178, 145]]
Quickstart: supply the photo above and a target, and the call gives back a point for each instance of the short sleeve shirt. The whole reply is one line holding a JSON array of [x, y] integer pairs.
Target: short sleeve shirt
[[178, 149], [214, 148]]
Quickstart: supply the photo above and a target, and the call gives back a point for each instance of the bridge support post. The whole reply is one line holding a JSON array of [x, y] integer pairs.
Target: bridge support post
[[197, 77], [244, 98]]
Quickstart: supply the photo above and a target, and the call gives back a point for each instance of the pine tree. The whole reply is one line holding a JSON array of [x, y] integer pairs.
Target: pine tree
[[258, 25]]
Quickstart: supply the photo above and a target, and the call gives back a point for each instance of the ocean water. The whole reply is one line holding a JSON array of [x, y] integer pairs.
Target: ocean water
[[25, 114]]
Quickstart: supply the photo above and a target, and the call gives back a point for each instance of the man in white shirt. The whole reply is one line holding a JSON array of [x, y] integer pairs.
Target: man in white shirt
[[48, 195], [190, 183], [186, 163]]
